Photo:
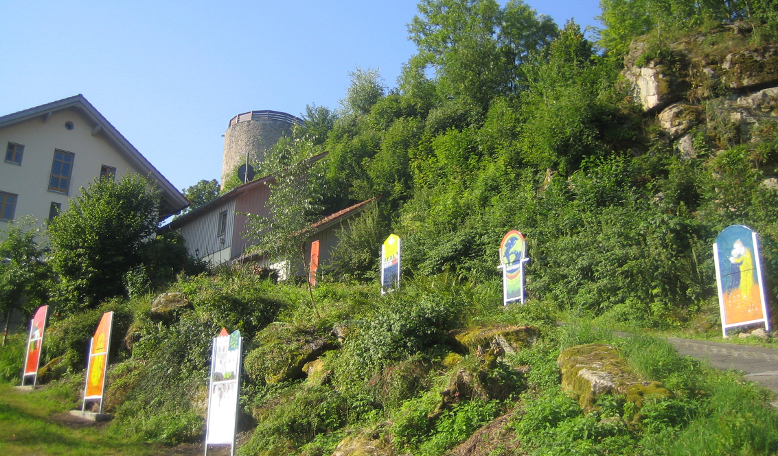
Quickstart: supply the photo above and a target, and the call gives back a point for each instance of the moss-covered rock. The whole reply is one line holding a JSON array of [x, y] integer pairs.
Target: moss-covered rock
[[53, 370], [592, 370], [480, 377], [283, 352], [168, 305], [504, 338], [316, 373]]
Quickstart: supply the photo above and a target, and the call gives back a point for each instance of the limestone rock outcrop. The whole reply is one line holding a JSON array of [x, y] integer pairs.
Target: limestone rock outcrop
[[699, 67]]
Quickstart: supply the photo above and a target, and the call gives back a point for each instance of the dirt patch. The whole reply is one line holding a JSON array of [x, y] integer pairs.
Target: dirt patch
[[74, 422], [197, 449]]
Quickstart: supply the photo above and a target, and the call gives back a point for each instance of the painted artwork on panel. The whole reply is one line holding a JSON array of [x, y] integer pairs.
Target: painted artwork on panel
[[739, 276], [98, 354], [390, 263], [35, 341], [513, 250]]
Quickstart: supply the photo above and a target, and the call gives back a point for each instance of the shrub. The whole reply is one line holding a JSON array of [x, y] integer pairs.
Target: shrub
[[407, 327], [165, 386], [233, 300], [68, 337], [99, 238], [12, 357], [297, 418]]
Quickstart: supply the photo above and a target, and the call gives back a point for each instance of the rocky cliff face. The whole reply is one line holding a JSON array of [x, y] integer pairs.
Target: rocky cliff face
[[719, 83]]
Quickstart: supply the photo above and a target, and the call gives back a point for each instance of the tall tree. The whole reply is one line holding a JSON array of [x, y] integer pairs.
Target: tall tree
[[474, 47], [294, 203]]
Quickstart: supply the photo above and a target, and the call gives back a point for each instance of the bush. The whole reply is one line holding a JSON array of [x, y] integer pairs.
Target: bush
[[164, 386], [233, 300], [12, 357], [99, 238], [411, 324], [297, 418], [68, 337]]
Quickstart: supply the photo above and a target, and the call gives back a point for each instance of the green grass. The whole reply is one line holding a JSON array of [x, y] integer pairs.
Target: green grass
[[27, 428]]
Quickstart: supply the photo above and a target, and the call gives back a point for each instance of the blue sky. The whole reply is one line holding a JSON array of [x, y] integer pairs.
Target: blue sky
[[169, 75]]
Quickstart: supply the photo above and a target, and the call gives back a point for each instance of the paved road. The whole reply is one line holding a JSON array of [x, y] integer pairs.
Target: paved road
[[759, 364]]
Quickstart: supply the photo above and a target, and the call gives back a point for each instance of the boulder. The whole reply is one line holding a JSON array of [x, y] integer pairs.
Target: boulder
[[760, 333], [592, 370], [678, 118], [168, 305], [502, 339], [685, 147], [283, 354]]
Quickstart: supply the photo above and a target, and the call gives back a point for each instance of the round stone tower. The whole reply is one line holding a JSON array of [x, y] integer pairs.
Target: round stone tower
[[253, 133]]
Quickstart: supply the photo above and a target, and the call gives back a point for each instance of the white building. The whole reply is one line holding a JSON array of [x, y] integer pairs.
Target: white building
[[53, 150]]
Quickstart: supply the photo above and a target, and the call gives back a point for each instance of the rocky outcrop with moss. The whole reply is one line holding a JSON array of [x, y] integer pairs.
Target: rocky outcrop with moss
[[593, 370], [698, 67], [719, 88]]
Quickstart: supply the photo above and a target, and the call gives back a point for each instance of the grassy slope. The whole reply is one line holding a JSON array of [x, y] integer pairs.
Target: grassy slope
[[27, 428]]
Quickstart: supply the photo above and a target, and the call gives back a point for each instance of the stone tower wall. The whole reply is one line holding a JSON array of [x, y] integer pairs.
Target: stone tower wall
[[254, 133]]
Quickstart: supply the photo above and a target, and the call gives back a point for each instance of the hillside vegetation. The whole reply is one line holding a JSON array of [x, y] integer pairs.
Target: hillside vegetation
[[501, 120]]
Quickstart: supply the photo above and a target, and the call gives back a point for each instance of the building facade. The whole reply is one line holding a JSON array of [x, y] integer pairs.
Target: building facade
[[53, 150]]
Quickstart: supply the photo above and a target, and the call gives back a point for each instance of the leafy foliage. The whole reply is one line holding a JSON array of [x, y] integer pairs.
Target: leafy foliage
[[23, 271], [294, 200], [201, 192], [100, 237]]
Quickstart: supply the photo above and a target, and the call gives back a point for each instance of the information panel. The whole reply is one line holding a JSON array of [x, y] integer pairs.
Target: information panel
[[97, 365], [314, 265], [513, 250], [223, 390]]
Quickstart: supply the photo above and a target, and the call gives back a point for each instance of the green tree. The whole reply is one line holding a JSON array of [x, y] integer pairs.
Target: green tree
[[570, 105], [365, 90], [24, 275], [475, 47], [294, 203], [201, 193], [317, 123], [99, 238]]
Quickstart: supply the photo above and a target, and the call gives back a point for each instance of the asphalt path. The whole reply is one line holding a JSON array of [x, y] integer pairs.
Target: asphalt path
[[759, 364]]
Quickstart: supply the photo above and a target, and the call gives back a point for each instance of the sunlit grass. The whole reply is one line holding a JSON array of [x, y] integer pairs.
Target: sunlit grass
[[26, 428]]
